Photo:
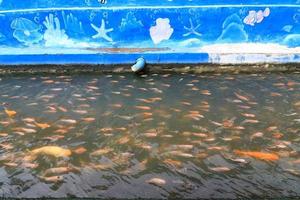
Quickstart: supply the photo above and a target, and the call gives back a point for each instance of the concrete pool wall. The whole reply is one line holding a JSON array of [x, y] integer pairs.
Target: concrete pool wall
[[165, 31]]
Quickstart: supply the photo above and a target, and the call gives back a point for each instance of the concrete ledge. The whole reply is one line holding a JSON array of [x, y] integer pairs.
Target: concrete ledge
[[151, 68]]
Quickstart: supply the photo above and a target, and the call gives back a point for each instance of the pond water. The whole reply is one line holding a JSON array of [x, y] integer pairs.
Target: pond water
[[151, 136]]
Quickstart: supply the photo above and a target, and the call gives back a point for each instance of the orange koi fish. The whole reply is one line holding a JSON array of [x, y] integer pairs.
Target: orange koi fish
[[42, 125], [143, 107], [10, 113], [258, 155], [51, 151], [243, 98]]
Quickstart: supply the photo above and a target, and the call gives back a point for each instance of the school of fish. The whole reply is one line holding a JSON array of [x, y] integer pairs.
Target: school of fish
[[145, 128]]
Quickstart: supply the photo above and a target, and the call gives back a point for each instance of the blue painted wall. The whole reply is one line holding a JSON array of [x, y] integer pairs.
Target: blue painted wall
[[85, 27], [14, 4]]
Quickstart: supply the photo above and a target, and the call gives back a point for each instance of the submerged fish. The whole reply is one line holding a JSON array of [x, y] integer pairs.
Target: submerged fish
[[241, 97], [54, 137], [80, 150], [10, 113], [157, 181], [42, 125], [54, 151], [256, 135], [28, 130], [248, 115], [69, 121], [123, 140], [174, 163], [58, 170], [101, 152], [101, 166], [28, 120], [52, 179], [143, 107], [88, 119], [258, 155], [180, 154], [220, 169]]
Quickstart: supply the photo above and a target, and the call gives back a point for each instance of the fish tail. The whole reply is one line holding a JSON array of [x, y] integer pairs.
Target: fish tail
[[238, 152], [29, 158]]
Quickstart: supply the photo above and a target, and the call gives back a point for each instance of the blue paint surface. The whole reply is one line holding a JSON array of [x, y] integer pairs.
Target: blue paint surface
[[196, 31], [103, 58]]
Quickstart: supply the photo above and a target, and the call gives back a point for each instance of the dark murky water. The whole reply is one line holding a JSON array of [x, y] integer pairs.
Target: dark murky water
[[157, 136]]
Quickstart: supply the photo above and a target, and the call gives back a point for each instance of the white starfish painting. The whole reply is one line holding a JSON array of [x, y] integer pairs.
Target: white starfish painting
[[102, 32], [192, 30]]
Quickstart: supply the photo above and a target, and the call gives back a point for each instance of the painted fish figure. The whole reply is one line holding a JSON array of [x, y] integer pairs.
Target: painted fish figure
[[256, 17]]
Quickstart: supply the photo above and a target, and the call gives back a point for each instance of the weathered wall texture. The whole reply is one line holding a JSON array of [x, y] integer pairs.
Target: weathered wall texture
[[164, 31]]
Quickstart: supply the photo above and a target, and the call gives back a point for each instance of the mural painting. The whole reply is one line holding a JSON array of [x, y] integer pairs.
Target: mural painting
[[194, 27]]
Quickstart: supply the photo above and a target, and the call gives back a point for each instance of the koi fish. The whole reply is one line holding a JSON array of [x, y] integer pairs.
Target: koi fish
[[58, 170], [42, 125], [123, 140], [88, 119], [48, 81], [206, 92], [10, 113], [30, 165], [80, 150], [272, 128], [101, 152], [54, 151], [143, 107], [144, 100], [150, 134], [52, 179], [184, 146], [258, 155], [81, 112], [28, 120], [157, 181], [248, 115], [62, 109], [202, 135], [116, 105], [54, 137], [101, 166], [69, 121], [181, 154], [220, 169], [28, 130], [147, 114], [6, 146], [256, 135], [3, 134], [243, 98], [174, 163], [251, 121]]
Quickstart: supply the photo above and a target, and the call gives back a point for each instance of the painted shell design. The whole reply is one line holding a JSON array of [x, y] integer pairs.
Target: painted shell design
[[26, 31]]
